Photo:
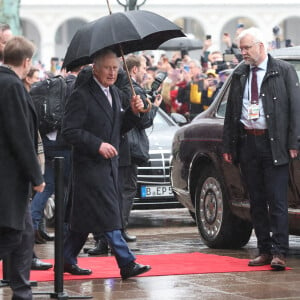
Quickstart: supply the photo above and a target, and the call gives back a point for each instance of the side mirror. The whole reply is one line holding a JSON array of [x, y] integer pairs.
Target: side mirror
[[179, 119]]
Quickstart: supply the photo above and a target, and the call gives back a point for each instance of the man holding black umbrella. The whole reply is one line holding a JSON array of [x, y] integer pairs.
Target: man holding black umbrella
[[93, 124]]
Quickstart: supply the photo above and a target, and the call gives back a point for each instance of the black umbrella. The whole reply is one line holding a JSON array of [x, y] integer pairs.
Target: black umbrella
[[125, 32], [181, 43], [78, 50]]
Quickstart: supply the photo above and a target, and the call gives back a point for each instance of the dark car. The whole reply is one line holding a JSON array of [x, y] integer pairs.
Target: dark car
[[213, 190], [154, 187]]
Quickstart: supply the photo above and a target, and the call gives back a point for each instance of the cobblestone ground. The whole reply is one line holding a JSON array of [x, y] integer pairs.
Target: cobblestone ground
[[170, 231]]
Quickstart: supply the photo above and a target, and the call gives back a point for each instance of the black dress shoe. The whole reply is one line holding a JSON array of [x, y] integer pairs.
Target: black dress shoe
[[99, 249], [278, 262], [86, 249], [75, 270], [261, 260], [38, 238], [128, 238], [133, 269], [46, 236], [37, 264]]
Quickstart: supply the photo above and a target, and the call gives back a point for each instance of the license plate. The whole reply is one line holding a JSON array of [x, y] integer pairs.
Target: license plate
[[156, 191]]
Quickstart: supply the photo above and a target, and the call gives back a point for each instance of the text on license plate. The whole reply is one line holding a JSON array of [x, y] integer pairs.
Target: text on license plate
[[156, 191]]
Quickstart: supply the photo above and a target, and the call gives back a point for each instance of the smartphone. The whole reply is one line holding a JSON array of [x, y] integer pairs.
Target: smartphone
[[208, 37], [186, 68]]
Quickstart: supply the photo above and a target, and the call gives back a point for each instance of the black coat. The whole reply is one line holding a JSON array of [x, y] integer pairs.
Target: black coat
[[18, 159], [147, 118], [280, 95], [89, 120], [137, 137]]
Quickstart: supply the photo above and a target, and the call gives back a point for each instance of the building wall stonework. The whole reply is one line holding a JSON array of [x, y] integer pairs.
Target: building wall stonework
[[48, 15]]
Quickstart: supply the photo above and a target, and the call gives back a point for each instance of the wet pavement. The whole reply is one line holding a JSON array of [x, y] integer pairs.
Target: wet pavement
[[174, 231]]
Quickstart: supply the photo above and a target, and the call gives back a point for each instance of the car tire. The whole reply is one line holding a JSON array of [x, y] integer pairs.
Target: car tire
[[217, 225], [193, 215]]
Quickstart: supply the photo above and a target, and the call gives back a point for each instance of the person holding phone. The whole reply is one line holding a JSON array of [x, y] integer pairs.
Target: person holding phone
[[232, 47], [190, 95], [205, 52]]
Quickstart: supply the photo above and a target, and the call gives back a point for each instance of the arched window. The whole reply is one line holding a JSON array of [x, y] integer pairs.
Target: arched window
[[64, 34]]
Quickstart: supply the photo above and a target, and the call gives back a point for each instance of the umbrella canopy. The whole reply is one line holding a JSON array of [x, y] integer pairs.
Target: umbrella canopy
[[181, 43], [78, 50], [132, 30]]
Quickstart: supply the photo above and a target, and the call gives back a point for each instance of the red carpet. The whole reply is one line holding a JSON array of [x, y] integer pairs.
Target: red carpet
[[162, 265]]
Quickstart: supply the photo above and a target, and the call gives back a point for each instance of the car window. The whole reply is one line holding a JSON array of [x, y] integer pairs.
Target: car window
[[296, 64], [222, 106]]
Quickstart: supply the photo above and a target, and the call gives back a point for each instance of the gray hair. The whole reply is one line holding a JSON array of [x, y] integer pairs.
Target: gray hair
[[103, 53], [257, 35]]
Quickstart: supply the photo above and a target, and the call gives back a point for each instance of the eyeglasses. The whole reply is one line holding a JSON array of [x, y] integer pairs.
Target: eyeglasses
[[247, 48]]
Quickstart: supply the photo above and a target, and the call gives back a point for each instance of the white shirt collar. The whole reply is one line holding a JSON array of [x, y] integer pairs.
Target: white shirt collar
[[263, 65], [102, 86]]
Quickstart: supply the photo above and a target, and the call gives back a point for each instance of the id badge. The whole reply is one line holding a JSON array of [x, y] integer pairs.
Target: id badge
[[253, 112]]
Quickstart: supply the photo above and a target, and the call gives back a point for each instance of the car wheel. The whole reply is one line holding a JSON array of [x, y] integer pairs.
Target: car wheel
[[49, 212], [217, 225]]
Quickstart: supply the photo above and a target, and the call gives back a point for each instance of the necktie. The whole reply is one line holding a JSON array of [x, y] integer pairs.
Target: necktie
[[254, 87], [106, 92]]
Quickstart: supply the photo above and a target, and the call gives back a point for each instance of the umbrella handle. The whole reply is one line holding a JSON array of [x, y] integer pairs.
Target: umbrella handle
[[147, 109]]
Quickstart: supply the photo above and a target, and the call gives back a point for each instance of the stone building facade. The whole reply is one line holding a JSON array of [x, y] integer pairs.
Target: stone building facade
[[52, 23]]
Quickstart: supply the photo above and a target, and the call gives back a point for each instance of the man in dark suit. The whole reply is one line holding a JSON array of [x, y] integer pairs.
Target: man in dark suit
[[93, 123], [137, 69], [19, 165], [261, 131], [54, 146]]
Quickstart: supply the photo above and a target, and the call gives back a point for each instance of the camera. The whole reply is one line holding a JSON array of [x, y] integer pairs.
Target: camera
[[158, 80]]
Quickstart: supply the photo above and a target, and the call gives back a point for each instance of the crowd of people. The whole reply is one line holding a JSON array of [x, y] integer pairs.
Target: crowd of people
[[94, 137], [189, 85]]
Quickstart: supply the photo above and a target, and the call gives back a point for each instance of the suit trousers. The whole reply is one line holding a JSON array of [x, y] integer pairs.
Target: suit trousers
[[268, 189], [40, 199], [18, 245], [129, 189], [74, 241]]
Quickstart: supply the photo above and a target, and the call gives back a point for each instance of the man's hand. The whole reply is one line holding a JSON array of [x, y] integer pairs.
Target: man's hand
[[293, 153], [207, 44], [158, 100], [137, 104], [186, 76], [227, 40], [39, 188], [227, 157], [107, 150]]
